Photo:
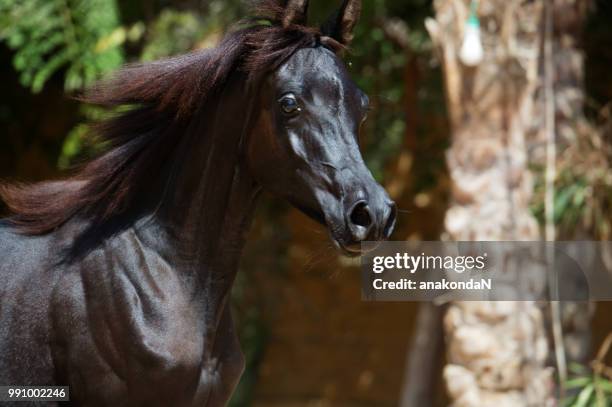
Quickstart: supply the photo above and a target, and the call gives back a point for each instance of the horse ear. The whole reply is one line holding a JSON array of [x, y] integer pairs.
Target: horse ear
[[296, 12], [341, 23]]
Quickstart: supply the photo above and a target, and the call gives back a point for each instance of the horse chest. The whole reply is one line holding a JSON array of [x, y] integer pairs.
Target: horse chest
[[131, 323]]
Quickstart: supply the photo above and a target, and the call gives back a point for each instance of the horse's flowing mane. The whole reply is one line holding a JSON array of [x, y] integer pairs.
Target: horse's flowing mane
[[163, 97]]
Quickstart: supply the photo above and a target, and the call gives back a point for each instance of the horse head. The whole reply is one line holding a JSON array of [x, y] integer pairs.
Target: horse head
[[306, 149]]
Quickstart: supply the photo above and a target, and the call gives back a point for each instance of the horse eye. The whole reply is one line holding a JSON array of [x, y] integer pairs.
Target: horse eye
[[289, 104]]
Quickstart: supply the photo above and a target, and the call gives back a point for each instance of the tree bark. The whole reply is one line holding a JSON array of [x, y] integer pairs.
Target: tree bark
[[496, 351]]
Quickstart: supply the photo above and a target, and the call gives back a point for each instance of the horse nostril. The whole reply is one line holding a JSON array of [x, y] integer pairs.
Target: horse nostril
[[360, 215], [360, 220], [390, 224]]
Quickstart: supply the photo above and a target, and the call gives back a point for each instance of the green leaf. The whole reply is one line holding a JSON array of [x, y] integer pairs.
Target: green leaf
[[577, 368], [72, 145], [47, 70], [585, 396], [605, 385], [49, 35], [578, 382]]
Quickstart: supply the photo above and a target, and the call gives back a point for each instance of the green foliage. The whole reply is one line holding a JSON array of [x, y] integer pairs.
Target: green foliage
[[377, 66], [390, 45], [80, 141], [583, 187], [49, 35], [588, 389], [172, 33]]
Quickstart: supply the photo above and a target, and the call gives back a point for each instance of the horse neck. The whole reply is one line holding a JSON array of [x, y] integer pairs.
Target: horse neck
[[211, 204]]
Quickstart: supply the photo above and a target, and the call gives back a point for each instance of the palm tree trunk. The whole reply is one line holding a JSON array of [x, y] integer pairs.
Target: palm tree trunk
[[496, 351]]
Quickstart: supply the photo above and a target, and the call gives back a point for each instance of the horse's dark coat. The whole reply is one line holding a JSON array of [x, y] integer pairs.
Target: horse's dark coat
[[125, 300]]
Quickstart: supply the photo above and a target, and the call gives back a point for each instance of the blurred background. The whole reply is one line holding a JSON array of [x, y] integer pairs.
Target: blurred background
[[520, 76]]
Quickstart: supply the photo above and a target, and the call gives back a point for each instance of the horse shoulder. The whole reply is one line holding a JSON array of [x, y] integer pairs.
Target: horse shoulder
[[126, 316]]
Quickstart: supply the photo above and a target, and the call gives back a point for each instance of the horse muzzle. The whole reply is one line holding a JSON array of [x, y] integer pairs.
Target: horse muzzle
[[367, 220]]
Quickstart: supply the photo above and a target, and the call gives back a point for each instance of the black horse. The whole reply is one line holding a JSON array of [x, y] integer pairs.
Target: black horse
[[116, 281]]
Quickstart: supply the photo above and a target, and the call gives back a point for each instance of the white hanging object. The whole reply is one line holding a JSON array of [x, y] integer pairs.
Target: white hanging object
[[471, 52]]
